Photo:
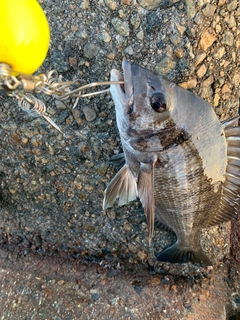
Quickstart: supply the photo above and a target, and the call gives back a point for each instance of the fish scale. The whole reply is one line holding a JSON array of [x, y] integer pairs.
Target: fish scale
[[179, 160], [185, 189]]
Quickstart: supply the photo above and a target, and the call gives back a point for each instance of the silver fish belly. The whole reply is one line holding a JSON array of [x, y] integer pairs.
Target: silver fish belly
[[180, 160]]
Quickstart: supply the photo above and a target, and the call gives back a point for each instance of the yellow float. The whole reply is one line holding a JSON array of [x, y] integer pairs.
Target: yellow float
[[24, 35]]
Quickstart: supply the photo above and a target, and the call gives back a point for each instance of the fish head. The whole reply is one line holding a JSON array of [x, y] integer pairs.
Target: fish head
[[143, 105]]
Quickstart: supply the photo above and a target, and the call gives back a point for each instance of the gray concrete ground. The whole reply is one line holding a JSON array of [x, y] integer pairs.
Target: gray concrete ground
[[62, 257]]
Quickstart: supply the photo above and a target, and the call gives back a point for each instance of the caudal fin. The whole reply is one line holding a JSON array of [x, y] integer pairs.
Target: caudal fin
[[175, 254]]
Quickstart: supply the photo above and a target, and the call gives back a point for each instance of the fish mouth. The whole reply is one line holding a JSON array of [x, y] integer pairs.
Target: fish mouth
[[125, 89], [116, 76]]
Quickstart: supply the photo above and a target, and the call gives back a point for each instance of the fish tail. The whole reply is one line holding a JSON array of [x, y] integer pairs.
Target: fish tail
[[176, 254]]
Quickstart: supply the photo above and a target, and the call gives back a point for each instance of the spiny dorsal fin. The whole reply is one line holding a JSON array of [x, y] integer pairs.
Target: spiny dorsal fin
[[230, 200], [122, 186], [228, 122], [146, 194]]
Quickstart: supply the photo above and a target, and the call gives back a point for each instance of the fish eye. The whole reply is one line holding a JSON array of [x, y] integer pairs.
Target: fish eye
[[158, 102]]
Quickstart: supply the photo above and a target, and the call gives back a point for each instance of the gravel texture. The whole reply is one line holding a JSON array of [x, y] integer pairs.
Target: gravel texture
[[52, 186]]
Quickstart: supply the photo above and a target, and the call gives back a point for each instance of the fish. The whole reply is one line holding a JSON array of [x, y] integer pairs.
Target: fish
[[178, 159]]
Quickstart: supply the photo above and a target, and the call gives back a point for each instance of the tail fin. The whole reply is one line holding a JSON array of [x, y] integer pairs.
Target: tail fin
[[175, 254]]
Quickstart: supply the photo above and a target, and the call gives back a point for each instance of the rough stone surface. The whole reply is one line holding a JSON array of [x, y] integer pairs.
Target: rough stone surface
[[68, 289], [61, 255]]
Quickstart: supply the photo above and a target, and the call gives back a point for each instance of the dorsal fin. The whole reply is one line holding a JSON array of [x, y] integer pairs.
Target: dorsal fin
[[230, 200], [229, 122]]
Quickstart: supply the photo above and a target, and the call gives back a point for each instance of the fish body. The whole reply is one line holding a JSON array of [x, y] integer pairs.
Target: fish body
[[180, 160]]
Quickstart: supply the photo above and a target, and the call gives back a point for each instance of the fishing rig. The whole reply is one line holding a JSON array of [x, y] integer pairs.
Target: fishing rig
[[23, 87]]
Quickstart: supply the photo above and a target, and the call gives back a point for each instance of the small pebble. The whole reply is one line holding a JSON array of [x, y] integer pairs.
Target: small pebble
[[231, 22], [236, 79], [150, 4], [226, 89], [228, 38], [206, 87], [129, 50], [190, 8], [216, 100], [60, 105], [179, 53], [221, 2], [165, 66], [208, 37], [111, 4], [91, 50], [122, 27], [201, 71], [209, 10], [135, 21], [190, 84], [175, 39], [199, 58], [89, 113], [140, 35], [232, 5], [106, 37]]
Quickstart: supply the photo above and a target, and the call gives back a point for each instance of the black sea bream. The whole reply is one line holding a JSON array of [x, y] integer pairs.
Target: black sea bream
[[180, 160]]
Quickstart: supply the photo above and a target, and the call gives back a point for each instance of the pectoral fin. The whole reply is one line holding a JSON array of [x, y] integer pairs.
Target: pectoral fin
[[118, 160], [122, 186], [146, 194]]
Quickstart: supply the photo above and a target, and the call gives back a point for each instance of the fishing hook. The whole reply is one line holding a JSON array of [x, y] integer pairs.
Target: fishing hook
[[20, 86]]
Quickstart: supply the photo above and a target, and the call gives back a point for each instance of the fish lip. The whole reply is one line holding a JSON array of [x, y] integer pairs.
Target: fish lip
[[116, 75], [128, 84], [117, 89], [124, 91]]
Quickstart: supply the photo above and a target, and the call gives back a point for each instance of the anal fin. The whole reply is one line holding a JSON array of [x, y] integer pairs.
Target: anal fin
[[160, 223], [162, 226]]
